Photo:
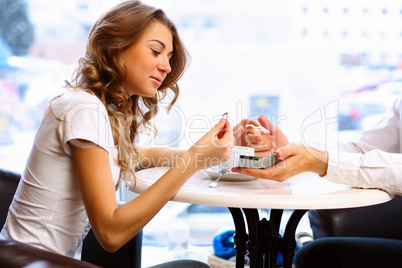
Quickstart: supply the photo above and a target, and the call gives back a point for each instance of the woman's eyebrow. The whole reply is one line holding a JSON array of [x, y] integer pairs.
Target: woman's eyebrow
[[160, 42]]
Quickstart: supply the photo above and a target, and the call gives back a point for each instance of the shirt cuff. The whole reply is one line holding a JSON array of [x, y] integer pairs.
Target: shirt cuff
[[342, 167]]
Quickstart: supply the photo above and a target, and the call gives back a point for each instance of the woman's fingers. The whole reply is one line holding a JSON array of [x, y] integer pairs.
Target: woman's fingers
[[224, 136], [212, 136], [248, 121], [238, 127], [219, 128], [238, 134], [257, 138], [259, 142], [214, 145], [226, 132], [265, 123], [251, 129]]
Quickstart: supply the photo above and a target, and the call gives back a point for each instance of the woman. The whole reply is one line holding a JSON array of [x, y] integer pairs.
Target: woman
[[372, 160], [86, 142]]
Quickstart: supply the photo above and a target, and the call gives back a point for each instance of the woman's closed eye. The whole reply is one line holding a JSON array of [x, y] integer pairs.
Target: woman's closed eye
[[155, 52]]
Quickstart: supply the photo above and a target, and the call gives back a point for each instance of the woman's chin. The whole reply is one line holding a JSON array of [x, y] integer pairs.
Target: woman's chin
[[149, 94]]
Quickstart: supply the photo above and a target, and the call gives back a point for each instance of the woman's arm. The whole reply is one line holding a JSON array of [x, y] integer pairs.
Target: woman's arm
[[160, 157], [114, 225]]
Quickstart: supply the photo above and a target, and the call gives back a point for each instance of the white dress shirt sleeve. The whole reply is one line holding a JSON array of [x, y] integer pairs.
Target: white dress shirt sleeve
[[373, 159]]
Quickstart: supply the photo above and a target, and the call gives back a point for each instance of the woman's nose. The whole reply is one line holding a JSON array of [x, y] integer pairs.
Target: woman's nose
[[165, 66]]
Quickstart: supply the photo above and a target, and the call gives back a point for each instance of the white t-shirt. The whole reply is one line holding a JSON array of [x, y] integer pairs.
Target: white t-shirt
[[47, 210], [374, 158]]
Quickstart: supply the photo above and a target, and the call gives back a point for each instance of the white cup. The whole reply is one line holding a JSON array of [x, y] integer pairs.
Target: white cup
[[178, 234], [233, 160]]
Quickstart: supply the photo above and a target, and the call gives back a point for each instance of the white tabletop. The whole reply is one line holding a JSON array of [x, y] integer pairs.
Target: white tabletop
[[303, 191]]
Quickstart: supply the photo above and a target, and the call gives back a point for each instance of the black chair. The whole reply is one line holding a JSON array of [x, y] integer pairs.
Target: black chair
[[382, 221], [14, 254], [129, 256], [8, 185]]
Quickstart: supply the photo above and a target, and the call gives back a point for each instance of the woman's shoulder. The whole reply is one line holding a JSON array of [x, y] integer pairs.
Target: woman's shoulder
[[77, 96], [75, 100], [397, 105]]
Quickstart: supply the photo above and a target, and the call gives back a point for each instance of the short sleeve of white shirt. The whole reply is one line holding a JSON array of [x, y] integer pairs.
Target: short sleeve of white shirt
[[86, 119], [47, 210]]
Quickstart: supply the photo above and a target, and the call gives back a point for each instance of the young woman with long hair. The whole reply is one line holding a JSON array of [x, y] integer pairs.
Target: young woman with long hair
[[86, 142]]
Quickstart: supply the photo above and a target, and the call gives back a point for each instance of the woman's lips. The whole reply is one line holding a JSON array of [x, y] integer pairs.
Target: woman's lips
[[157, 81]]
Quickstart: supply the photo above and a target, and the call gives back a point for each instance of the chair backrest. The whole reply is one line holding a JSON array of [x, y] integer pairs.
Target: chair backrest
[[8, 185], [129, 256], [16, 254], [383, 221]]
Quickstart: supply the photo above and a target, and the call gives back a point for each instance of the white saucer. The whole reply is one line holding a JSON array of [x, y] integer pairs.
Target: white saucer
[[213, 172]]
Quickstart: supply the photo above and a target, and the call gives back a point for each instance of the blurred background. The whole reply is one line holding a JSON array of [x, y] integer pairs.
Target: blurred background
[[322, 70]]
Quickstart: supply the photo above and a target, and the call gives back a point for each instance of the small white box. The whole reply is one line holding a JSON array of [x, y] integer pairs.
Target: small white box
[[248, 161]]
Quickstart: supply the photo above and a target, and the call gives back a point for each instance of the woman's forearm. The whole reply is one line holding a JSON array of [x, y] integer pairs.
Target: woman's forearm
[[160, 157]]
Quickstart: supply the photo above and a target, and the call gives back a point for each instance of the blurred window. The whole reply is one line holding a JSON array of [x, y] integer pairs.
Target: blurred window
[[285, 59]]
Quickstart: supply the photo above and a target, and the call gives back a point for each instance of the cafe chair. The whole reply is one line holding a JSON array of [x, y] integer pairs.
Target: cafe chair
[[381, 221], [128, 256], [15, 254]]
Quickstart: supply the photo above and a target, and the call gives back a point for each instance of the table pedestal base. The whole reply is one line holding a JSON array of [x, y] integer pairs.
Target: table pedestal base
[[263, 241]]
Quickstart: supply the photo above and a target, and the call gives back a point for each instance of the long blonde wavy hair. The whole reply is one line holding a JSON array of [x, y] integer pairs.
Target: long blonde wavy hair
[[101, 72]]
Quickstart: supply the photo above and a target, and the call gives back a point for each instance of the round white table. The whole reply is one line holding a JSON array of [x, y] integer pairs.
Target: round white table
[[243, 198]]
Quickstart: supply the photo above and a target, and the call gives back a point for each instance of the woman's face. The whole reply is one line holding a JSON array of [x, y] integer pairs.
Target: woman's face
[[147, 61]]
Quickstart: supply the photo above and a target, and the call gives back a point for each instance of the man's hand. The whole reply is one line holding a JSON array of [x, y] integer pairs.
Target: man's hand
[[295, 158]]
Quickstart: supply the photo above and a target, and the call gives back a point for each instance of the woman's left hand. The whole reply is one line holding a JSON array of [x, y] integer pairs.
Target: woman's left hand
[[263, 136]]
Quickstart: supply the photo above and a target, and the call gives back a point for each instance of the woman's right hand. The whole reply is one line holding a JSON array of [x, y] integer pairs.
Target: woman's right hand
[[214, 147]]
